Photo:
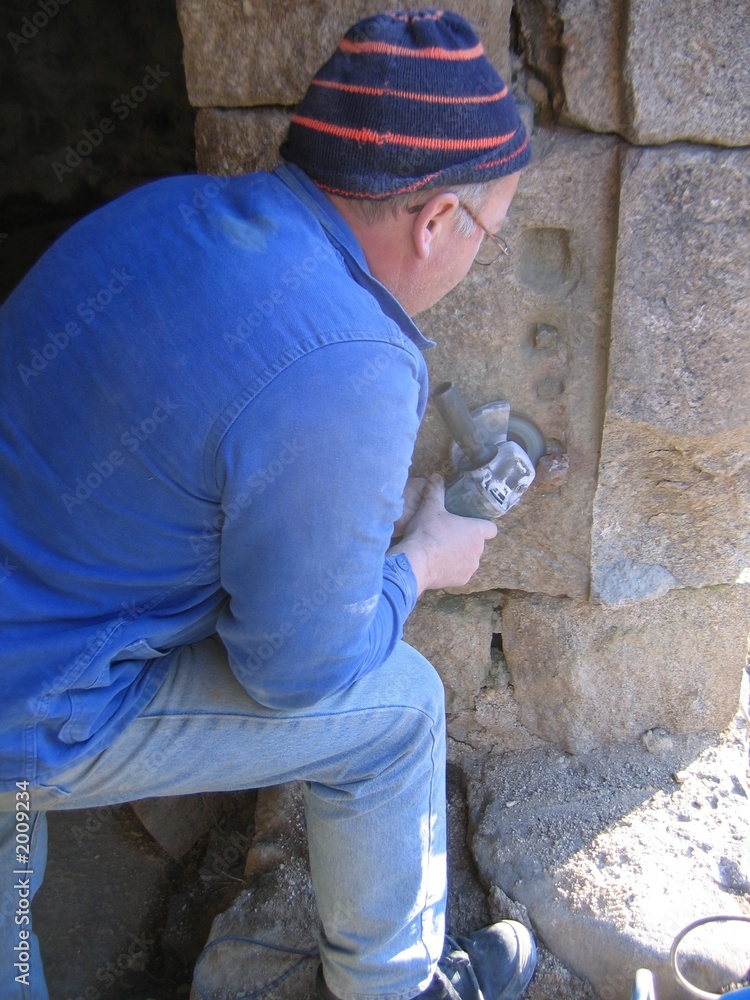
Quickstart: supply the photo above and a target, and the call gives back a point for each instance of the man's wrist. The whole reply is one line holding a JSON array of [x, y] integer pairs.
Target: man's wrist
[[417, 560]]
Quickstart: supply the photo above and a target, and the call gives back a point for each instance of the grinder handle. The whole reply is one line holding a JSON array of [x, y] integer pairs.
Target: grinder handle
[[461, 425]]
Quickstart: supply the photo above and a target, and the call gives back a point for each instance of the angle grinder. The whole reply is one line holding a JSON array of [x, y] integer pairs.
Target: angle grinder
[[494, 455]]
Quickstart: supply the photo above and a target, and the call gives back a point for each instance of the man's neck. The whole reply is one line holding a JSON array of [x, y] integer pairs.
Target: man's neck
[[386, 244]]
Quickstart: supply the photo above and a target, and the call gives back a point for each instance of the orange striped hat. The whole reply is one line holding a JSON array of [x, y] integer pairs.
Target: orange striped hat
[[407, 101]]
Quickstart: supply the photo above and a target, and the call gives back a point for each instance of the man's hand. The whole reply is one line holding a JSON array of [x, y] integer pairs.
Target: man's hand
[[412, 500], [444, 549]]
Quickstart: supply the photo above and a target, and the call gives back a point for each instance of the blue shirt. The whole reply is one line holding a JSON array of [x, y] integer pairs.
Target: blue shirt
[[209, 407]]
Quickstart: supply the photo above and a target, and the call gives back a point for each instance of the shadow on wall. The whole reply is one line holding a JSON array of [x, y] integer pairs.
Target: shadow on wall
[[94, 103]]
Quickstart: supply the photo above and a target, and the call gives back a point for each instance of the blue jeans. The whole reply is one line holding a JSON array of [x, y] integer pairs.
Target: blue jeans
[[373, 760]]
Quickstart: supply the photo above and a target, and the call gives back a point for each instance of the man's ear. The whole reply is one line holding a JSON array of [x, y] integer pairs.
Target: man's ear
[[434, 220]]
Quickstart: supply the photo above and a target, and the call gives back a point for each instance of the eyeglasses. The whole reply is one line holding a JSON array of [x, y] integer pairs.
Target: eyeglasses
[[492, 247]]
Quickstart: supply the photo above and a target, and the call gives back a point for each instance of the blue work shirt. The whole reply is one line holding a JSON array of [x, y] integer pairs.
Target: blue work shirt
[[209, 407]]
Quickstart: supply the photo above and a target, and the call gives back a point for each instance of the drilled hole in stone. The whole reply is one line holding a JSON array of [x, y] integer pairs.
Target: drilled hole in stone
[[544, 258]]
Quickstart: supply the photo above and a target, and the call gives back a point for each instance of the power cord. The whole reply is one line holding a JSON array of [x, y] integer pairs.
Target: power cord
[[720, 918]]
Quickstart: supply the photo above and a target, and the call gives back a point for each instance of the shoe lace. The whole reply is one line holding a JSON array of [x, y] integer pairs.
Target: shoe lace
[[456, 958], [267, 987]]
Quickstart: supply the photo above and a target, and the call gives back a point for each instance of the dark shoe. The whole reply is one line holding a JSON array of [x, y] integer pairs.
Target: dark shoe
[[495, 963]]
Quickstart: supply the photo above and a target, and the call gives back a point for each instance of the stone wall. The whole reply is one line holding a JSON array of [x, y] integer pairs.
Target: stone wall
[[615, 600]]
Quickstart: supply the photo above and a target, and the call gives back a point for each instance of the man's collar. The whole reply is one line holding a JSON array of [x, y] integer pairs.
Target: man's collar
[[343, 238]]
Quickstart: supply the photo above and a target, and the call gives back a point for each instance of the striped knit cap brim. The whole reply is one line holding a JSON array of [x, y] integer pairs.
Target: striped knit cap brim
[[407, 101]]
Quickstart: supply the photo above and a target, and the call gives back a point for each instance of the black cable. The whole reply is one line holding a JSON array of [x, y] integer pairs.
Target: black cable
[[718, 918]]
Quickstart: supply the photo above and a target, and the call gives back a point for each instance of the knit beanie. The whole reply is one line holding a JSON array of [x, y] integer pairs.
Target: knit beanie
[[407, 101]]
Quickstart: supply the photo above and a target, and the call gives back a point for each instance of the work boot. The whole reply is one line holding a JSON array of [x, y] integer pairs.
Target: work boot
[[495, 963]]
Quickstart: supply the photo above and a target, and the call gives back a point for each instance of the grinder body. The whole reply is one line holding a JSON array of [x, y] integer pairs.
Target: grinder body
[[494, 455], [491, 490]]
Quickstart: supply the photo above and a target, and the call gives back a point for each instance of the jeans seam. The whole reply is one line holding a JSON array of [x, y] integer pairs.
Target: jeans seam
[[430, 847], [290, 717]]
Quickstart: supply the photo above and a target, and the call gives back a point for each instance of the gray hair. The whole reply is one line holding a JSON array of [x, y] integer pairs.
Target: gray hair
[[474, 196]]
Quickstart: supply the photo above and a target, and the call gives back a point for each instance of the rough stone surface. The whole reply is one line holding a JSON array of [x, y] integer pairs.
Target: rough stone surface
[[279, 828], [232, 142], [102, 891], [655, 71], [248, 54], [584, 676], [539, 41], [561, 236], [686, 71], [456, 633], [611, 854], [681, 300], [178, 821], [278, 907], [592, 71], [673, 502]]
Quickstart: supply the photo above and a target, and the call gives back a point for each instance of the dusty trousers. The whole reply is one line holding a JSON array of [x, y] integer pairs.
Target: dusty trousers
[[373, 760]]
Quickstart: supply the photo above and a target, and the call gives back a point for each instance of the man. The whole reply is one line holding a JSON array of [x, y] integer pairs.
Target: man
[[212, 391]]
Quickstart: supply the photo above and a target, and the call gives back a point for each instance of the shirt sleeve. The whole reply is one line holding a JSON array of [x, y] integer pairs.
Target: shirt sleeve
[[312, 475]]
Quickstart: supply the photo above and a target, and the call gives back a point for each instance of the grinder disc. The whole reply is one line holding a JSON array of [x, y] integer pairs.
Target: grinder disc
[[525, 432], [496, 423]]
